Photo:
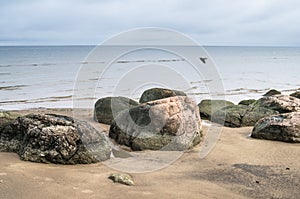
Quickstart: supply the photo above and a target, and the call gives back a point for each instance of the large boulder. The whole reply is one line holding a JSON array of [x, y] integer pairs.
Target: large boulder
[[9, 139], [240, 115], [50, 138], [109, 107], [159, 93], [283, 127], [208, 107], [272, 92], [296, 94], [280, 103], [166, 124]]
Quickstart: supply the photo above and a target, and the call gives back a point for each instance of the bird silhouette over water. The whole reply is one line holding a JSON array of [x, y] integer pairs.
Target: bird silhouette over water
[[203, 59]]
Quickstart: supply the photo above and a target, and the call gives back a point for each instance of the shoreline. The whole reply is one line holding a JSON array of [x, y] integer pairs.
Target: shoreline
[[237, 167]]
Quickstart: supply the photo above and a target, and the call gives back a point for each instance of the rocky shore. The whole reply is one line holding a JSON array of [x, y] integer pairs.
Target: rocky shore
[[163, 119], [166, 120]]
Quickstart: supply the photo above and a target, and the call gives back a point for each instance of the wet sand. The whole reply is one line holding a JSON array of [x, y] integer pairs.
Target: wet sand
[[238, 167]]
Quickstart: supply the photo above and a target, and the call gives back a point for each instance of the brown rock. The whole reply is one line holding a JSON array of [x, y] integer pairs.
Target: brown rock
[[283, 127], [280, 103], [167, 124]]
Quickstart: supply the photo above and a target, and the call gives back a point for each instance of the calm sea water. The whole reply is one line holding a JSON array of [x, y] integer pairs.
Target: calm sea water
[[44, 76]]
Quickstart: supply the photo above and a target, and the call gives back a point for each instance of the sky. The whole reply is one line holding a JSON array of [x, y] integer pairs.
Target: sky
[[209, 22]]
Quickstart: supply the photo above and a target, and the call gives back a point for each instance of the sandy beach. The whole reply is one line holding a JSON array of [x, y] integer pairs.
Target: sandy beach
[[238, 167]]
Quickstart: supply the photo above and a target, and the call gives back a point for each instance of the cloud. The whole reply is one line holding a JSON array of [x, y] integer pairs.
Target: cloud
[[214, 22]]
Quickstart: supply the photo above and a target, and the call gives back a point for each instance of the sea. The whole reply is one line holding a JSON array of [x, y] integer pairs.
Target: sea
[[48, 76]]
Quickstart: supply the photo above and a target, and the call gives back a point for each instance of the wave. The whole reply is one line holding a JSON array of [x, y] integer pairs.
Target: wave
[[16, 87], [159, 60], [88, 62], [38, 100]]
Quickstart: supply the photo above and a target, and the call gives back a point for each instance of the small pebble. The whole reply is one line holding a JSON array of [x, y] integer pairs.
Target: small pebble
[[1, 181], [257, 182], [287, 168], [122, 178]]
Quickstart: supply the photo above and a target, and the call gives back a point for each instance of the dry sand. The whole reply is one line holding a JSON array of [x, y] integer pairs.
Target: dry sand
[[238, 167]]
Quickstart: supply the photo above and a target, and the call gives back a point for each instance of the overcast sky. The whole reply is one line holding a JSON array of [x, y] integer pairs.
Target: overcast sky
[[210, 22]]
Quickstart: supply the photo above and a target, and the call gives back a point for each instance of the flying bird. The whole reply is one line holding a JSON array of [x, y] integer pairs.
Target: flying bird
[[203, 59]]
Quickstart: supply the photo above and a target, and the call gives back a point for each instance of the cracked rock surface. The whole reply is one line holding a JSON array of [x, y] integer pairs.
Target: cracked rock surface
[[167, 124], [280, 103], [50, 138], [283, 127]]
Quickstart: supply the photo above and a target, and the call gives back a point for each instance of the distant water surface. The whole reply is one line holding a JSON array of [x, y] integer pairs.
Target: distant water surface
[[44, 76]]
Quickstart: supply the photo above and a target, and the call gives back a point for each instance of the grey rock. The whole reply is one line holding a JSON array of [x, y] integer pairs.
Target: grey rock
[[166, 124], [247, 102], [283, 127], [208, 107], [241, 115], [107, 108], [159, 93], [122, 178], [296, 94], [280, 103], [49, 138], [272, 92], [9, 139]]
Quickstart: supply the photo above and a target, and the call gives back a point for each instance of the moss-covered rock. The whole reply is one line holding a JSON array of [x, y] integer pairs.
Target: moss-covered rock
[[109, 107], [159, 93], [241, 115], [208, 107]]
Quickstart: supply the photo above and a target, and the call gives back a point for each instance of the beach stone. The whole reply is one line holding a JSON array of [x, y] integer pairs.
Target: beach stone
[[241, 115], [108, 107], [208, 107], [50, 138], [283, 127], [280, 103], [159, 93], [296, 94], [167, 124], [9, 139], [272, 92], [122, 178], [247, 102]]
